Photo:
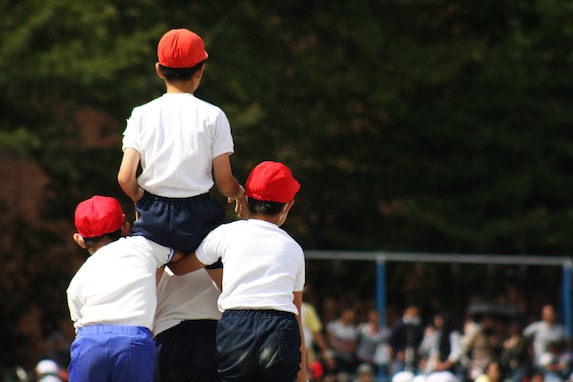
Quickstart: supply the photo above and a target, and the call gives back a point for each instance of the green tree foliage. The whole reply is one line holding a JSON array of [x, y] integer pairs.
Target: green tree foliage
[[432, 125]]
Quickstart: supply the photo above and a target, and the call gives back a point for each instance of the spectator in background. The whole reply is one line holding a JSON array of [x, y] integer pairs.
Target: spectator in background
[[543, 332], [471, 329], [48, 370], [480, 356], [314, 339], [445, 350], [364, 373], [484, 347], [494, 373], [372, 341], [405, 338], [555, 363], [342, 334], [57, 347], [515, 356], [323, 369]]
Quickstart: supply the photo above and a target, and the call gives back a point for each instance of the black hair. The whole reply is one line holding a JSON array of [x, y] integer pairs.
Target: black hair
[[93, 241], [180, 74], [264, 207], [447, 329]]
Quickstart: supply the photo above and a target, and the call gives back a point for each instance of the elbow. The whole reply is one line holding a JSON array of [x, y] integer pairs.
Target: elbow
[[122, 179]]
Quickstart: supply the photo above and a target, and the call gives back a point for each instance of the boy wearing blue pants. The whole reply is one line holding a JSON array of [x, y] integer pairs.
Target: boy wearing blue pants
[[112, 297]]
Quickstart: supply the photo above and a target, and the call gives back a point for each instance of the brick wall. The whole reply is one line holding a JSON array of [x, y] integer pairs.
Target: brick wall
[[22, 192]]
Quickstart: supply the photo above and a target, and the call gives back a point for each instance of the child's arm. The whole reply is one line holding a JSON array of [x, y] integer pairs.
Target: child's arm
[[126, 176], [187, 264], [301, 377], [217, 276], [228, 185]]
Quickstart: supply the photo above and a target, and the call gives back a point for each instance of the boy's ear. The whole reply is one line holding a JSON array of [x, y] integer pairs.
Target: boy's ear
[[284, 212], [199, 73], [158, 71], [79, 240], [287, 207], [125, 229]]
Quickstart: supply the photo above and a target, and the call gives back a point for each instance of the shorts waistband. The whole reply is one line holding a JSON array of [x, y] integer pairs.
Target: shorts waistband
[[261, 313], [158, 198], [114, 329]]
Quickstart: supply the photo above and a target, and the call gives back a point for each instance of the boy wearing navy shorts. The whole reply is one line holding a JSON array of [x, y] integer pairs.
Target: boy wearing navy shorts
[[259, 336], [179, 140]]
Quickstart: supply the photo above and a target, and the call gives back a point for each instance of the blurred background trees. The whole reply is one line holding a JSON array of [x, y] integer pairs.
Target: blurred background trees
[[419, 125]]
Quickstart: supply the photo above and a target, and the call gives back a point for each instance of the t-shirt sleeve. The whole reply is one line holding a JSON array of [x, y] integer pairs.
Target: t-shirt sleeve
[[300, 276], [222, 138], [210, 249], [73, 305], [162, 255], [130, 134]]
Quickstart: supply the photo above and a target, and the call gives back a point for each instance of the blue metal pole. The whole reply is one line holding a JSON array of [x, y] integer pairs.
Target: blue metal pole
[[381, 305], [381, 290], [567, 298]]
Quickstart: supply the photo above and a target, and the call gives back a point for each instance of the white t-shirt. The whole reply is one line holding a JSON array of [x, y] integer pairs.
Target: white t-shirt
[[192, 296], [263, 265], [116, 285], [543, 333], [177, 136]]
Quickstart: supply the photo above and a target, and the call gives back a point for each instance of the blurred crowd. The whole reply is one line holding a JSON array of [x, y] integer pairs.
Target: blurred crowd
[[488, 344], [347, 341]]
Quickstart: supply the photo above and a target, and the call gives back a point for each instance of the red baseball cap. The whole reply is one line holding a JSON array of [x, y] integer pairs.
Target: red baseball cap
[[181, 48], [271, 182], [97, 216]]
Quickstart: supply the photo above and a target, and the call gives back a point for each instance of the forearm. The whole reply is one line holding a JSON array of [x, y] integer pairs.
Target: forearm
[[131, 188], [126, 176], [231, 188], [226, 183]]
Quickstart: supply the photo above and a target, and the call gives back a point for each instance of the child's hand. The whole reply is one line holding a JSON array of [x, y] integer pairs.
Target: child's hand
[[241, 208]]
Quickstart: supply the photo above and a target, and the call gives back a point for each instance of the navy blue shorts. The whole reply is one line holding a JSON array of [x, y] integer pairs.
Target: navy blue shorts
[[258, 346], [179, 223], [108, 353], [186, 353]]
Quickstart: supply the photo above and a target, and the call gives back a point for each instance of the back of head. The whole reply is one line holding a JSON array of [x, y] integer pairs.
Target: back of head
[[271, 183], [98, 216], [181, 48]]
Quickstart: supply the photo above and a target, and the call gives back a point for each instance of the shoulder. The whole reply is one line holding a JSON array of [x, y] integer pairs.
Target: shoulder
[[218, 234], [208, 107], [207, 104], [225, 228], [140, 109]]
